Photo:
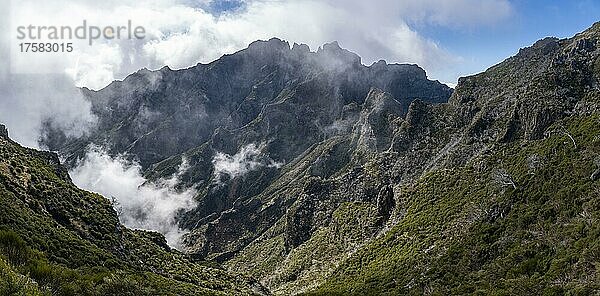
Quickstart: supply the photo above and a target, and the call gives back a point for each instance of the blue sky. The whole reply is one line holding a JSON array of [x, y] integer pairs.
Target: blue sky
[[529, 21]]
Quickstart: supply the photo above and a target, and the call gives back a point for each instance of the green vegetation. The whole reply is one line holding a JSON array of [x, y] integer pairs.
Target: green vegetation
[[467, 231], [56, 239]]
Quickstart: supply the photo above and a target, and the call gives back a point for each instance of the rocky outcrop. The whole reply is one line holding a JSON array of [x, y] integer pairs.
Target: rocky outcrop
[[373, 130], [512, 141], [3, 131]]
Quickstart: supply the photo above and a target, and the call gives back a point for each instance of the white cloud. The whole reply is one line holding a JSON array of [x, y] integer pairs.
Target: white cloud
[[28, 100], [141, 205], [180, 35], [96, 69], [449, 13], [249, 158], [206, 37]]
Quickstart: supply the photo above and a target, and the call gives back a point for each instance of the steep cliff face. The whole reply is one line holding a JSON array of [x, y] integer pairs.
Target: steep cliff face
[[461, 189], [154, 115]]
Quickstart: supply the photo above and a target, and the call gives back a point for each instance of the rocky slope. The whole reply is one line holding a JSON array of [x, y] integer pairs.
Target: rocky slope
[[56, 239], [499, 194], [154, 115], [267, 105], [364, 180], [405, 204]]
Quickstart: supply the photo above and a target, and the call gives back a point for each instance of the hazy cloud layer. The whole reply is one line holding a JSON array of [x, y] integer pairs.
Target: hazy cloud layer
[[29, 100], [141, 205], [249, 158], [182, 33]]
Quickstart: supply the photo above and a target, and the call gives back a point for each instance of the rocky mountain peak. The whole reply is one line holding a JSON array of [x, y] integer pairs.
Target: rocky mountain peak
[[158, 114], [379, 64], [272, 45], [301, 48], [261, 108], [543, 46], [333, 55], [331, 46], [3, 131]]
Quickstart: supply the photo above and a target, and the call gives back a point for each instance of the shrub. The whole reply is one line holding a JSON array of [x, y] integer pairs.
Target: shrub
[[42, 272], [14, 248]]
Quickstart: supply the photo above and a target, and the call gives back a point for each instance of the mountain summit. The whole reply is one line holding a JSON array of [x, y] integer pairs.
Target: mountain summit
[[158, 114]]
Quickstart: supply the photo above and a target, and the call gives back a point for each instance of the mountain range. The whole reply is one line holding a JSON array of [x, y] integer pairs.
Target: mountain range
[[316, 174]]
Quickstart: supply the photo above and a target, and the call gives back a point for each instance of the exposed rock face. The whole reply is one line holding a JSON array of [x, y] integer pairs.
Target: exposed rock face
[[282, 100], [344, 148], [3, 131], [373, 130], [536, 108], [158, 114]]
